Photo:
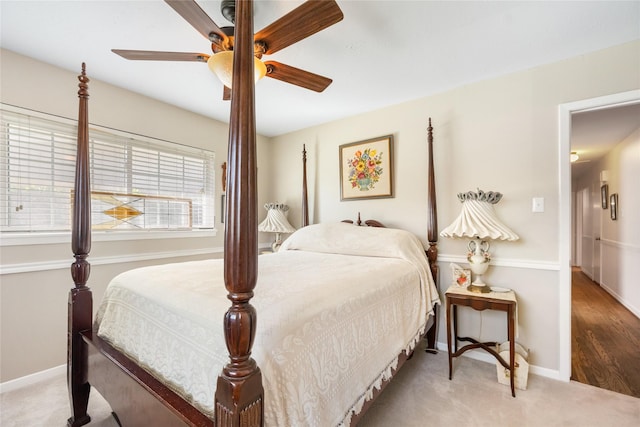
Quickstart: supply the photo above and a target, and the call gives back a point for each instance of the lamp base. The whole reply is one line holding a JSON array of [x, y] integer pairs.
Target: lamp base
[[483, 289], [276, 245]]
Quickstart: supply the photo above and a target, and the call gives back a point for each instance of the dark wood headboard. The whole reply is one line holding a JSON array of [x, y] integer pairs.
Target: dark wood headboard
[[369, 222]]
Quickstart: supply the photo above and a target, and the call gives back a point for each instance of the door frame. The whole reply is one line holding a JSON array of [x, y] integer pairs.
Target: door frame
[[564, 149]]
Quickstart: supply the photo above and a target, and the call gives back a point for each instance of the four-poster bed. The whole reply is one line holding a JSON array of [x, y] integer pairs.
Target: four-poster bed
[[138, 392]]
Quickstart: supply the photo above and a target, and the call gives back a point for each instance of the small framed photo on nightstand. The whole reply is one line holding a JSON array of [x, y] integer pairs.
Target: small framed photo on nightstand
[[461, 277]]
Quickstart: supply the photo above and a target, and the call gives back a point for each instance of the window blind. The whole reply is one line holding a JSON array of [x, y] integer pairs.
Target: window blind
[[136, 182]]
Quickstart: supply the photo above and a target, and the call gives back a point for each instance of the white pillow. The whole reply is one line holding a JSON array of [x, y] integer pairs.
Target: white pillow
[[348, 239]]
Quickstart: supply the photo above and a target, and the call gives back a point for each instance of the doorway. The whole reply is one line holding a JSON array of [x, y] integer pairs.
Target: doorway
[[567, 217]]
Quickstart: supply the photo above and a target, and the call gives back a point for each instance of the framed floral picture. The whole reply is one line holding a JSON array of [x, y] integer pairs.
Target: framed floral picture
[[461, 277], [366, 169]]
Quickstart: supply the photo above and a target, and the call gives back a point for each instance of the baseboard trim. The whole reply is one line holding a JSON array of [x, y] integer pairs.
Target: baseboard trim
[[621, 300], [483, 356], [31, 379]]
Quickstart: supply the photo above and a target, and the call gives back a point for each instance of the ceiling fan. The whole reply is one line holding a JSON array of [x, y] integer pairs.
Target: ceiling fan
[[304, 21]]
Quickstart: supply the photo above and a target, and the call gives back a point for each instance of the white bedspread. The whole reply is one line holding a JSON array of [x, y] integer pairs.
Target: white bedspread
[[330, 326]]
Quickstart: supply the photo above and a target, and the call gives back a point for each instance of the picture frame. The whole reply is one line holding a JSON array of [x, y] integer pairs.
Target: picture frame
[[613, 201], [604, 194], [366, 169], [461, 277]]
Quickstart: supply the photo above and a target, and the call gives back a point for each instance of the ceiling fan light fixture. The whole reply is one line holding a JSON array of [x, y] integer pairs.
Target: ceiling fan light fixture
[[574, 157], [221, 64]]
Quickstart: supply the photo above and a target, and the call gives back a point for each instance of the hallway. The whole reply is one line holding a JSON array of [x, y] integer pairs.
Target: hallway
[[605, 339]]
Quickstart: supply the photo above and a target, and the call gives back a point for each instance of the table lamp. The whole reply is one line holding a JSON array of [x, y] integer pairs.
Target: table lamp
[[479, 221], [276, 222]]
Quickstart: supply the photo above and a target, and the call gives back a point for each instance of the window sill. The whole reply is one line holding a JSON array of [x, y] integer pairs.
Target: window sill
[[26, 239]]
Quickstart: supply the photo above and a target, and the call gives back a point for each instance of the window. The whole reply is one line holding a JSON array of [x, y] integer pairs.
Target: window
[[137, 183]]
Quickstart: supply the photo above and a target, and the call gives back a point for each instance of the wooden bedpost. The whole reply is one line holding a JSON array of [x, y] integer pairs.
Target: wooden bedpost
[[239, 394], [305, 200], [432, 236], [80, 299]]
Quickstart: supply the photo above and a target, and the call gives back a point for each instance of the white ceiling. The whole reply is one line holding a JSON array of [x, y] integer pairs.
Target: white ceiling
[[594, 133], [382, 53]]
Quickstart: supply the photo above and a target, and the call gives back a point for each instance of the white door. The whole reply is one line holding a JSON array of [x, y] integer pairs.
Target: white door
[[586, 233], [577, 240], [597, 232]]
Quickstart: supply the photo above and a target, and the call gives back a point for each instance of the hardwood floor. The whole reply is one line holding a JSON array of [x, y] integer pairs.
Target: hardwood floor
[[605, 339]]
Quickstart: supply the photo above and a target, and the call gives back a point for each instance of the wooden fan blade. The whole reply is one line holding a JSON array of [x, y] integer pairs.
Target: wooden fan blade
[[301, 22], [198, 18], [149, 55], [226, 93], [296, 76]]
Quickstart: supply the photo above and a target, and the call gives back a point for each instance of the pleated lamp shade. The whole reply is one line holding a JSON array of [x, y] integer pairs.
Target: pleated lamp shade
[[276, 222], [479, 219]]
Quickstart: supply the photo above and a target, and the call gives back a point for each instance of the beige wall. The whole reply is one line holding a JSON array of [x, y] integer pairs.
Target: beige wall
[[33, 295], [500, 135]]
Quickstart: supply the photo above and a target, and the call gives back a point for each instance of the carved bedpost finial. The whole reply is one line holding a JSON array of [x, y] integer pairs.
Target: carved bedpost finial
[[84, 83], [81, 222]]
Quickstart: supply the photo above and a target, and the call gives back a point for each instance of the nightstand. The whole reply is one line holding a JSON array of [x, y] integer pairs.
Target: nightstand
[[502, 301]]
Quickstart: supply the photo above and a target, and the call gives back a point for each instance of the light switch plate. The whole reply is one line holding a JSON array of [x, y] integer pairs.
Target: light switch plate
[[538, 204]]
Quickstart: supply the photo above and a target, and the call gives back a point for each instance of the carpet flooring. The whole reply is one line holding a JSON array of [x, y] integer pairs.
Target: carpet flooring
[[420, 395]]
